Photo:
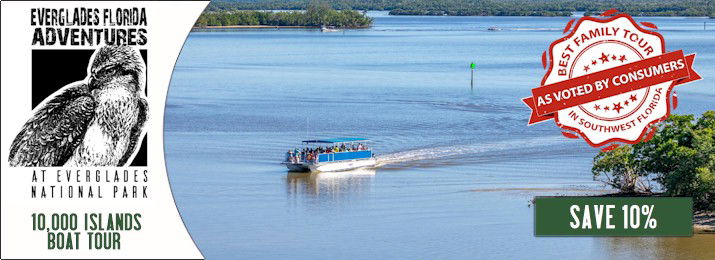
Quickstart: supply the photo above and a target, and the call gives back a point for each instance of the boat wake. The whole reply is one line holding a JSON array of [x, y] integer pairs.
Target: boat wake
[[516, 147]]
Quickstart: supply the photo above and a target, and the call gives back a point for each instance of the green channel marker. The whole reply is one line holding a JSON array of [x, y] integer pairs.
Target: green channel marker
[[471, 81]]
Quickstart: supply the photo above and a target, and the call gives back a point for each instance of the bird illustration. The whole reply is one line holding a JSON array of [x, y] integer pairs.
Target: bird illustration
[[98, 121]]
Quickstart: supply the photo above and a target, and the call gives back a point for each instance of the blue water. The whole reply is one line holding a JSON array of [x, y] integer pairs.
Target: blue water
[[458, 166]]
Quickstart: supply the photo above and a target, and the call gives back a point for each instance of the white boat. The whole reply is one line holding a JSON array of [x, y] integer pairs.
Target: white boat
[[348, 159], [328, 29]]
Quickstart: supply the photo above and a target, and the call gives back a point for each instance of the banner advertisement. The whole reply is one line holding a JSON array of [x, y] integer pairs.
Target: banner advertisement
[[349, 129]]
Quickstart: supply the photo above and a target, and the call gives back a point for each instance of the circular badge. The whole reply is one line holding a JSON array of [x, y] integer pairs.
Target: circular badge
[[609, 80]]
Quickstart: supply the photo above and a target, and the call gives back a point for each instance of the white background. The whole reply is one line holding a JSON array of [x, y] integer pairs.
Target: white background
[[163, 234]]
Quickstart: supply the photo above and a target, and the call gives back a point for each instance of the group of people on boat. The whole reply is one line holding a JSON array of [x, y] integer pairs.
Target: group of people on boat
[[310, 154]]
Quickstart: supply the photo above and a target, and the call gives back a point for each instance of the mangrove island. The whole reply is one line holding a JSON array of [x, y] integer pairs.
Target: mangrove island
[[317, 14], [678, 160], [487, 7]]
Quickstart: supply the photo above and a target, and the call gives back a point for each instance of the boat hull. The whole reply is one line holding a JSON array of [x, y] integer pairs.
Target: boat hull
[[334, 166], [297, 167]]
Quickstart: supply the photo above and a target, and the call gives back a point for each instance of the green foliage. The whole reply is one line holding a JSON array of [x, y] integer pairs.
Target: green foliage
[[622, 170], [489, 7], [317, 14], [681, 157]]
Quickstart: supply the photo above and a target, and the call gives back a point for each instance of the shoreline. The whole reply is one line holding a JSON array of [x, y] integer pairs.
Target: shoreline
[[254, 27], [270, 27], [575, 16], [704, 222]]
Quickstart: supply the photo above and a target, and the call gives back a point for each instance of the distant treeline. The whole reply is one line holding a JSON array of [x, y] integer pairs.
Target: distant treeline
[[488, 7], [316, 14]]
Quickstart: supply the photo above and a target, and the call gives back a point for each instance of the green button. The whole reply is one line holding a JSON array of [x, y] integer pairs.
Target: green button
[[613, 216]]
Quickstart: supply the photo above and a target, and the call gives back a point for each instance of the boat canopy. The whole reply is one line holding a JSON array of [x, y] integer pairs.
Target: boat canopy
[[336, 140]]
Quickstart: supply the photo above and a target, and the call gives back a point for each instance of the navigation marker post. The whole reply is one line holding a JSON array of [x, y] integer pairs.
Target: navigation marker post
[[471, 82]]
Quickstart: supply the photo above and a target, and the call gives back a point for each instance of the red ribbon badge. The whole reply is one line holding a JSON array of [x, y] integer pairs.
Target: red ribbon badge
[[672, 66]]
